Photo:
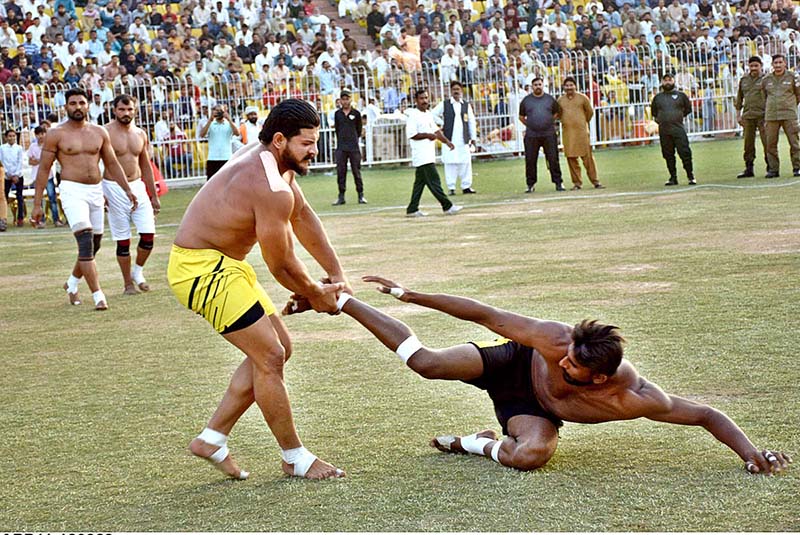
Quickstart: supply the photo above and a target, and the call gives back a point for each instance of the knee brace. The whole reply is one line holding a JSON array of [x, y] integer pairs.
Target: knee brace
[[146, 241], [84, 239], [124, 248], [97, 238]]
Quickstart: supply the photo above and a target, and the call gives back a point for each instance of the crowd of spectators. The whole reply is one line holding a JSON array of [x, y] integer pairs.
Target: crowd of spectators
[[259, 51]]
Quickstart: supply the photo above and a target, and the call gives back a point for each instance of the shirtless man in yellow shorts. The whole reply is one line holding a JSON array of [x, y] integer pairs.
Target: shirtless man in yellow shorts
[[253, 199]]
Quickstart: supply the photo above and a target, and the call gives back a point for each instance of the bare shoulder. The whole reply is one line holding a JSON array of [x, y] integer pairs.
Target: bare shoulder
[[641, 395]]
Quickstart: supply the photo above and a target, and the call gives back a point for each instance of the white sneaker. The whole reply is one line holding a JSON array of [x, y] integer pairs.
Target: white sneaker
[[453, 210], [416, 214]]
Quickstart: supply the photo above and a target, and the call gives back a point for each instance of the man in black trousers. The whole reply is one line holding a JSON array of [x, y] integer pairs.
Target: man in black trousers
[[347, 123], [539, 112], [669, 109]]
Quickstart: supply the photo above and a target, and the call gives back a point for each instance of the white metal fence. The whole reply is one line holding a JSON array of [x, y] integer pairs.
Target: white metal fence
[[620, 85]]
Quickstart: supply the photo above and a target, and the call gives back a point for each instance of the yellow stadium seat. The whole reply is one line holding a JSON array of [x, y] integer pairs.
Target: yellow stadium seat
[[524, 39], [161, 8], [634, 42], [480, 7], [197, 32], [617, 33]]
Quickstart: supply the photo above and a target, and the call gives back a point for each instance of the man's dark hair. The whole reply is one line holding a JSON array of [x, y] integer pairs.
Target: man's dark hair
[[537, 78], [597, 346], [124, 99], [569, 79], [419, 91], [10, 131], [778, 56], [755, 59], [76, 92], [288, 117], [456, 83], [39, 130]]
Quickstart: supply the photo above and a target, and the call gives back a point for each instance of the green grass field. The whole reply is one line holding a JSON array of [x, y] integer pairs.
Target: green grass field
[[99, 407]]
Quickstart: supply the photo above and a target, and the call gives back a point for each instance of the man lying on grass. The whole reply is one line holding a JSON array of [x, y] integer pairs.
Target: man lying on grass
[[538, 375]]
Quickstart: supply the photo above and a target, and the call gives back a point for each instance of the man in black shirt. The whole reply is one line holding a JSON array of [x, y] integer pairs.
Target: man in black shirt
[[347, 123], [669, 109], [539, 111]]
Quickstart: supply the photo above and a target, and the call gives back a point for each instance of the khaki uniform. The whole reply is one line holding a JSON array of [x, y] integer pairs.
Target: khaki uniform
[[782, 95], [576, 113], [752, 103]]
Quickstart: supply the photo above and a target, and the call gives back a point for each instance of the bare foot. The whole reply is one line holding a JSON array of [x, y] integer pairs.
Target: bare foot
[[318, 470], [101, 305], [143, 286], [131, 290], [228, 466], [451, 444], [74, 299]]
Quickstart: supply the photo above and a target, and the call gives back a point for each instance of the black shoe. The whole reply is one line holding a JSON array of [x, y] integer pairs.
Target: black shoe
[[771, 174], [530, 189], [747, 173], [451, 192], [671, 182], [362, 200], [559, 187], [796, 172], [692, 181], [338, 202], [599, 186], [468, 191], [574, 188]]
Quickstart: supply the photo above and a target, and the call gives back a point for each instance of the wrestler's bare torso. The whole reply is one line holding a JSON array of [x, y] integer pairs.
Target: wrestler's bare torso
[[624, 396], [77, 147], [128, 144], [222, 216]]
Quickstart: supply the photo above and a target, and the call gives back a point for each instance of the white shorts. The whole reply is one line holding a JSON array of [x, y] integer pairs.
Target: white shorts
[[119, 210], [83, 205]]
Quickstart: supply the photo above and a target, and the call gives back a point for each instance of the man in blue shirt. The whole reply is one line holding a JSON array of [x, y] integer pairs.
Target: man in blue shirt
[[220, 132]]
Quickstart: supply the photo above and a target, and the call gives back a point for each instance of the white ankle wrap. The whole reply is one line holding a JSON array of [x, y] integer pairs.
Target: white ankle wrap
[[301, 458], [215, 438], [496, 451], [474, 443], [343, 298], [408, 347]]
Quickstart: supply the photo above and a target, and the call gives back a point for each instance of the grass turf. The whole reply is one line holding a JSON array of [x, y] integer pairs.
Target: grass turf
[[703, 282]]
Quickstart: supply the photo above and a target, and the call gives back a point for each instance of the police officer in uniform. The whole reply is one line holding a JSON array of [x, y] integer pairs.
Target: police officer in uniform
[[669, 108], [781, 89], [347, 123], [750, 104]]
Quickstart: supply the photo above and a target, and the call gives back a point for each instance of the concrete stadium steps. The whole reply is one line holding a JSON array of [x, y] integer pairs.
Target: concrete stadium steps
[[357, 32]]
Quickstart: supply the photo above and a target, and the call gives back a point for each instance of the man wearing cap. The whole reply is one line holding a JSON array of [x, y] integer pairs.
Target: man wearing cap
[[750, 104], [781, 89], [669, 108], [348, 126], [249, 129]]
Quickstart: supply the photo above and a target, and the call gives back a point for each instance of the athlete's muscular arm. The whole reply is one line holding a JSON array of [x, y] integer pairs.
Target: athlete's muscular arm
[[275, 239], [311, 234], [43, 173], [660, 407], [550, 338], [147, 174], [113, 168]]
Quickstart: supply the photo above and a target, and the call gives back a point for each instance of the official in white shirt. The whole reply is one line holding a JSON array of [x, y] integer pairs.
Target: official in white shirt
[[458, 124]]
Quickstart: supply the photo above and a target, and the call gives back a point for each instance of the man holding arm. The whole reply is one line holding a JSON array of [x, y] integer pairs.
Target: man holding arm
[[538, 375], [255, 199], [78, 146]]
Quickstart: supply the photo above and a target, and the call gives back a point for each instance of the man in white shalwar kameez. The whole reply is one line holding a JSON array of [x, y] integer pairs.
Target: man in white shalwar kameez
[[458, 120]]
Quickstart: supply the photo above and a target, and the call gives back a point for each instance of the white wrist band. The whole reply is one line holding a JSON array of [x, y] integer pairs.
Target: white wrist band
[[397, 292], [343, 298], [496, 451], [408, 347], [474, 444]]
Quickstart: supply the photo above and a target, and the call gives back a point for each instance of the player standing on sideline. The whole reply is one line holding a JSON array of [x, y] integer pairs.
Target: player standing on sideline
[[255, 199], [79, 146], [133, 152]]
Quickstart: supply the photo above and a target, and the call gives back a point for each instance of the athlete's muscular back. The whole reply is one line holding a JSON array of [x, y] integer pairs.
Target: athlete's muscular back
[[226, 211], [128, 144], [78, 150]]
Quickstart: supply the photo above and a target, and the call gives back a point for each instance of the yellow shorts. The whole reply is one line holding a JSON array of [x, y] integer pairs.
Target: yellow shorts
[[215, 286]]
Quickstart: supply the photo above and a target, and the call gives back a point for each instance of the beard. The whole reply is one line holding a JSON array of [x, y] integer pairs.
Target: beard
[[253, 120], [574, 382], [296, 164], [125, 120], [668, 87], [76, 115]]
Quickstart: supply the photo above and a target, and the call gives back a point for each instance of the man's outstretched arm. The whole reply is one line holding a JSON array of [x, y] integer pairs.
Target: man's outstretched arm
[[551, 338], [681, 411]]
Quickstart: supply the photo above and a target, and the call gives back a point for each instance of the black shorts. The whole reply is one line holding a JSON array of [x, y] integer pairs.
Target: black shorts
[[507, 379]]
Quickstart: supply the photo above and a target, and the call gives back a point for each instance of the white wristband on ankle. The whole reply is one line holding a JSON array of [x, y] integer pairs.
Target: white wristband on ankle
[[397, 292], [408, 347], [301, 458], [474, 443], [209, 436], [496, 451], [343, 298]]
